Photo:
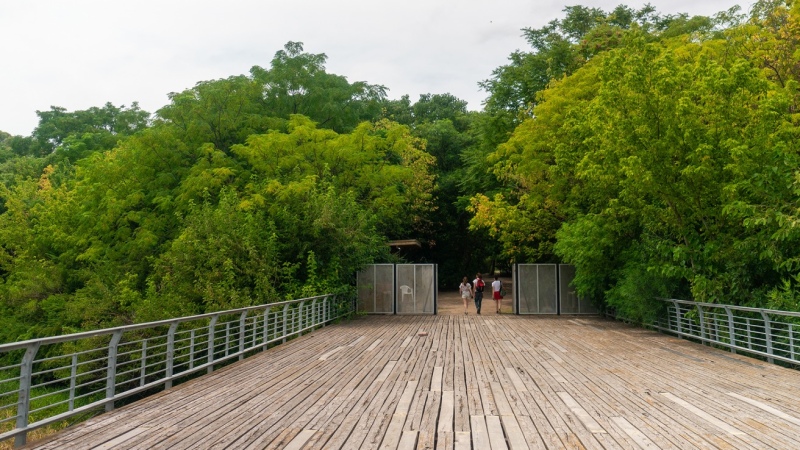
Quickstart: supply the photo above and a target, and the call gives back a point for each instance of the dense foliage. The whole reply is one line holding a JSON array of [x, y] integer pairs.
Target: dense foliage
[[665, 165], [658, 154]]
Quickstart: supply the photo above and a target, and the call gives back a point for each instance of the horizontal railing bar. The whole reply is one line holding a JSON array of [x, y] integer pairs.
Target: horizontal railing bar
[[743, 349], [47, 383], [9, 380], [258, 327], [48, 406], [733, 308], [71, 337], [8, 419]]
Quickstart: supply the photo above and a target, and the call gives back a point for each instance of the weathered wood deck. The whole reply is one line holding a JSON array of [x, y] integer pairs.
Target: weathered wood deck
[[473, 382]]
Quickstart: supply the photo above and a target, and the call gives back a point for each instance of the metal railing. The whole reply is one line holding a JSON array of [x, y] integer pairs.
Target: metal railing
[[771, 334], [45, 381]]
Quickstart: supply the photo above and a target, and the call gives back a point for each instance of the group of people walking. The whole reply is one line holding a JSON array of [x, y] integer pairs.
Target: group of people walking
[[475, 290]]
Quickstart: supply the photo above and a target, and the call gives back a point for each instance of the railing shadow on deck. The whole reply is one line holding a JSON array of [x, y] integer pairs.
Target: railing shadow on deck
[[767, 334], [45, 381]]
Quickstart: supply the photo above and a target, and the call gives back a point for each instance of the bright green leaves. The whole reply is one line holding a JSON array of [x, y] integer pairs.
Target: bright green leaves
[[661, 167], [385, 168]]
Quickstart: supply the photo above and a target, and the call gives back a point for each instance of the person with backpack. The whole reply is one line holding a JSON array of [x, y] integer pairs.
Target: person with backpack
[[478, 285]]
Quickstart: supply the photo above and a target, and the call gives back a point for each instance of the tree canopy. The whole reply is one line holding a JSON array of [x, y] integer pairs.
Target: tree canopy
[[658, 154]]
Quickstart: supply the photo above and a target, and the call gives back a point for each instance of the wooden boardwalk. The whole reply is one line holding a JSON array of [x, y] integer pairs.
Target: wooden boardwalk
[[481, 382]]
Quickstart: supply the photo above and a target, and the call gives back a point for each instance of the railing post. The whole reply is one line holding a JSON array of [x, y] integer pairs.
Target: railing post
[[111, 381], [242, 329], [301, 316], [285, 317], [768, 335], [702, 324], [73, 375], [314, 318], [191, 350], [791, 342], [731, 329], [266, 329], [212, 326], [170, 354], [24, 396], [749, 335], [678, 318], [227, 338], [325, 310], [143, 374]]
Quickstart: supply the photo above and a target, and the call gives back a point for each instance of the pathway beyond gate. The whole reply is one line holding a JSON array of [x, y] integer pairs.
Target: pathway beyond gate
[[450, 303], [460, 382]]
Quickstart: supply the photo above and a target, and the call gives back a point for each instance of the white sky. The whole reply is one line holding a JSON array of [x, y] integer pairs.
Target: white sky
[[83, 53]]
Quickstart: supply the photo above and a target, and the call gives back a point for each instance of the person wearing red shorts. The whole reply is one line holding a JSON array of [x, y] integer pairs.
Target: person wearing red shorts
[[497, 285]]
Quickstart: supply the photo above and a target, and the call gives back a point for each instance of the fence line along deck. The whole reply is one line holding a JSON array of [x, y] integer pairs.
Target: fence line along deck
[[472, 382]]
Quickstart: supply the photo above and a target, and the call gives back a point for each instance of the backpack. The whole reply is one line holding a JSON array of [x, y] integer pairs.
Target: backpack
[[479, 285]]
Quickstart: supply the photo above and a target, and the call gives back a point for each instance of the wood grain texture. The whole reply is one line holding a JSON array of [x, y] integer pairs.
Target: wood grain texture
[[473, 382]]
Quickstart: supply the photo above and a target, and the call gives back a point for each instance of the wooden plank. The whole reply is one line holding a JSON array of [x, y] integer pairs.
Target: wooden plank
[[120, 440], [353, 344], [495, 430], [503, 407], [434, 388], [300, 440], [387, 369], [405, 400], [447, 413], [641, 440], [445, 440], [374, 345], [560, 348], [767, 408], [585, 417], [393, 433], [702, 414], [480, 434], [516, 380], [553, 355], [326, 355], [516, 438], [463, 440], [436, 379], [408, 441]]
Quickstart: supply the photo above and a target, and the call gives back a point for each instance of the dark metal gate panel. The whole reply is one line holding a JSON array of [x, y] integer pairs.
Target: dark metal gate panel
[[537, 289], [416, 288], [570, 302], [375, 284]]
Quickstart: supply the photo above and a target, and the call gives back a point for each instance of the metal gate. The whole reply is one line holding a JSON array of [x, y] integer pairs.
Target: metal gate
[[375, 284], [570, 302], [545, 289], [397, 289], [536, 288], [416, 288]]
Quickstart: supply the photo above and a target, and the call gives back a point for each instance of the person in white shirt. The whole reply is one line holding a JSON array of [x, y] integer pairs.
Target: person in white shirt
[[466, 292], [497, 285]]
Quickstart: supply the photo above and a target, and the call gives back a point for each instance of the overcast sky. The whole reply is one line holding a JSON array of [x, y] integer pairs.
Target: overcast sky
[[83, 53]]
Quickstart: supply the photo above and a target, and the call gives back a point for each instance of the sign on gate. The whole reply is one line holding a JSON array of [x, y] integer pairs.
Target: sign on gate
[[397, 289], [416, 288]]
